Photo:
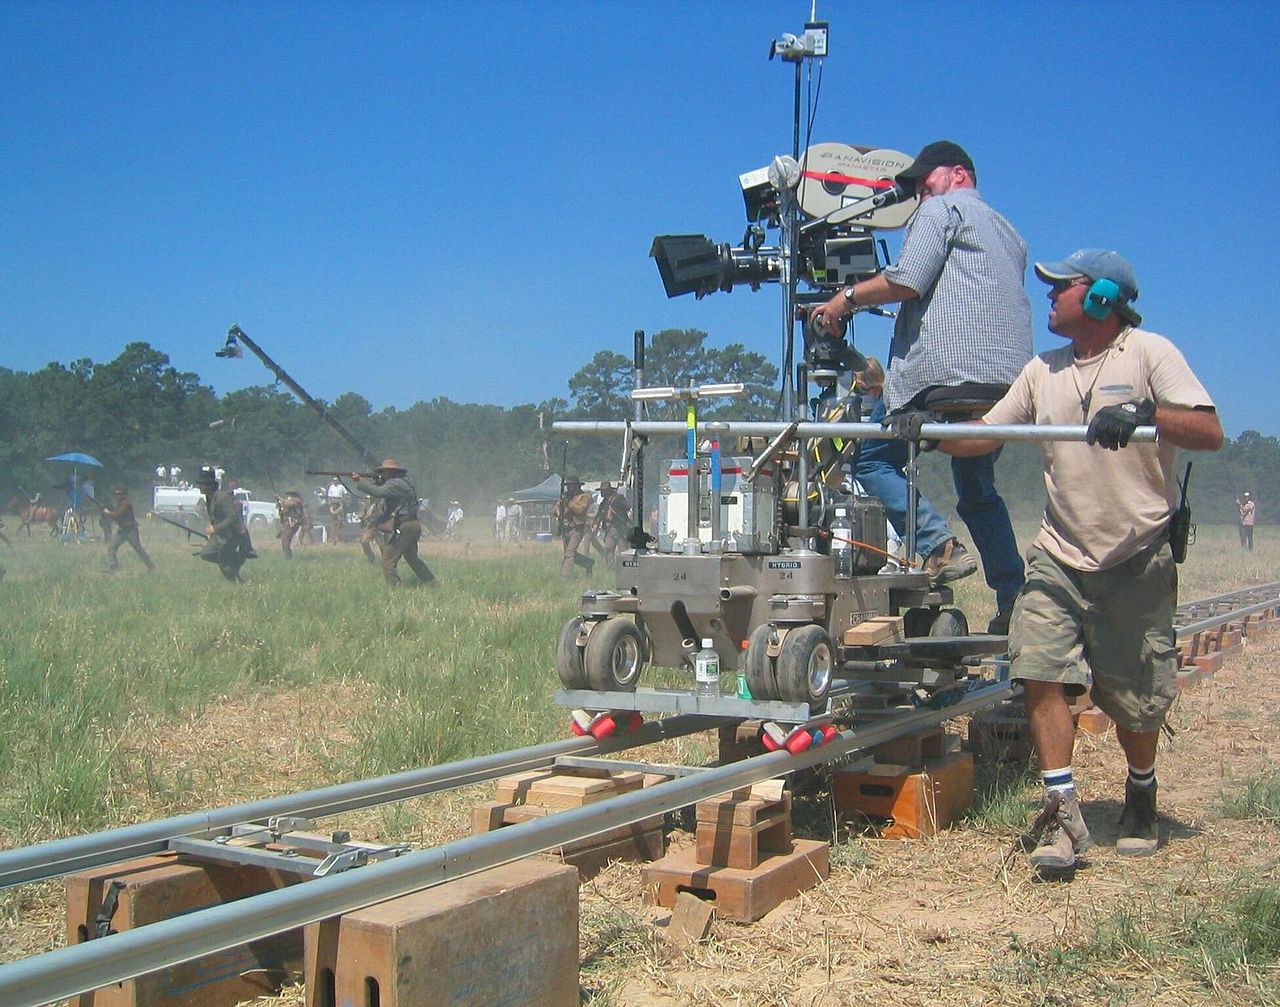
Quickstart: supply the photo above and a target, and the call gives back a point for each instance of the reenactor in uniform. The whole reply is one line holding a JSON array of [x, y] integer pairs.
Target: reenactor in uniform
[[226, 529], [371, 533], [125, 530], [335, 510], [399, 500], [571, 512], [610, 526], [293, 515]]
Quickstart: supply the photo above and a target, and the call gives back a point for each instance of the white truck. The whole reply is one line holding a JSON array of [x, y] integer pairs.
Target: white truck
[[185, 504]]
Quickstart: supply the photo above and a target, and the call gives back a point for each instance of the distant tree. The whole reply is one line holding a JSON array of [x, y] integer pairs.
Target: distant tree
[[676, 357], [601, 390]]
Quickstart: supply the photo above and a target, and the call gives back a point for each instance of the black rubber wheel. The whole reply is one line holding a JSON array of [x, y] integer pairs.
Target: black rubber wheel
[[614, 657], [257, 522], [805, 666], [949, 622], [759, 665], [569, 656], [916, 621]]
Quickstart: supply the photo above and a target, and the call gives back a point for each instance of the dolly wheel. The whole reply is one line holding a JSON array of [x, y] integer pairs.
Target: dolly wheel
[[569, 656], [805, 666], [949, 622], [759, 665], [614, 656]]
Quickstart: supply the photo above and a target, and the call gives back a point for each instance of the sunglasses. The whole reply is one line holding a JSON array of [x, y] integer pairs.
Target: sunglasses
[[1058, 286]]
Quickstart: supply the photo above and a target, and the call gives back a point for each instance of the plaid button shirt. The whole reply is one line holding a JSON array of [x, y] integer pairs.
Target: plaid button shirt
[[972, 320]]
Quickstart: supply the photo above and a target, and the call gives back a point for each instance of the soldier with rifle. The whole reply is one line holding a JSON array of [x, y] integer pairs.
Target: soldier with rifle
[[572, 525], [399, 518], [125, 530], [293, 516], [610, 526], [226, 529]]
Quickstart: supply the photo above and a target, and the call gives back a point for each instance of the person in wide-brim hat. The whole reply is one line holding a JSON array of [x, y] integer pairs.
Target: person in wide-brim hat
[[390, 465]]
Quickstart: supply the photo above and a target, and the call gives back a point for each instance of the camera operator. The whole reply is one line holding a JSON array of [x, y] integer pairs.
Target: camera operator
[[963, 333]]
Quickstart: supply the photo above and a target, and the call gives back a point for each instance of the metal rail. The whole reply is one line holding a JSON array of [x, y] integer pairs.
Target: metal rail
[[70, 971], [76, 853], [868, 431], [1206, 613]]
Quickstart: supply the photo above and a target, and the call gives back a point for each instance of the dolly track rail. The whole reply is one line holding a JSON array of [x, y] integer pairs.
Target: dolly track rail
[[80, 968], [76, 853]]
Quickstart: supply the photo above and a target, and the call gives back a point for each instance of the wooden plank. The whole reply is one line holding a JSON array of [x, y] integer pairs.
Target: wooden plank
[[690, 920], [881, 629]]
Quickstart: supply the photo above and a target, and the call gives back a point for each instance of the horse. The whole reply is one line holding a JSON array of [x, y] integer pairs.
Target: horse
[[30, 513]]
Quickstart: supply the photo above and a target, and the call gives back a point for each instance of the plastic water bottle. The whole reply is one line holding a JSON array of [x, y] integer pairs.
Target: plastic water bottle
[[841, 546], [706, 670], [744, 692]]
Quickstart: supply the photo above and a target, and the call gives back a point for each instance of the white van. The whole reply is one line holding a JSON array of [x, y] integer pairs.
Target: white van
[[186, 505]]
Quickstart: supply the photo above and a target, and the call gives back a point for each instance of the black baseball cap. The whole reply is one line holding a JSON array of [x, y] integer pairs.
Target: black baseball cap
[[940, 153]]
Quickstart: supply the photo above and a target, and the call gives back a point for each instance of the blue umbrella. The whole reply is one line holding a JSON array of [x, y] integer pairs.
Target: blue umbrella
[[77, 457]]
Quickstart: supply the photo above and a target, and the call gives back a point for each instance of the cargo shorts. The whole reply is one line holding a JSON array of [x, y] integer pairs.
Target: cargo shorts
[[1113, 627]]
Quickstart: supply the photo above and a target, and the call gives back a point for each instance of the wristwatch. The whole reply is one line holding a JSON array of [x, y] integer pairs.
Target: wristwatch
[[848, 296]]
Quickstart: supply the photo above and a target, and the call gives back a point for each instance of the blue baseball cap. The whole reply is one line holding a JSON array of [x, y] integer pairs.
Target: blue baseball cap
[[1096, 264]]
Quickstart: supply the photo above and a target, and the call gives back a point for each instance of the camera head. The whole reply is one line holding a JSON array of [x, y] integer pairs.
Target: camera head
[[842, 194]]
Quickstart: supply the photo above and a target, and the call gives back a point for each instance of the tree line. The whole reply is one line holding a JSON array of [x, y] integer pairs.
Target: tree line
[[137, 411]]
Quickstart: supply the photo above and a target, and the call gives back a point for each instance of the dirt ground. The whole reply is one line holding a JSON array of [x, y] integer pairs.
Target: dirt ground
[[950, 919]]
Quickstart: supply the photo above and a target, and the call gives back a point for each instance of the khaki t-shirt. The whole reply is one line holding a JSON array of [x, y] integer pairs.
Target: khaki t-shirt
[[1104, 506]]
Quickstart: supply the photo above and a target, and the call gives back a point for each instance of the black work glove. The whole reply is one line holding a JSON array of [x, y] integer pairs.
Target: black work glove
[[1112, 426], [906, 427]]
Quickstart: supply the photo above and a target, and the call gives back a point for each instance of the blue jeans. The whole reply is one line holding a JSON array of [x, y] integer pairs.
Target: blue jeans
[[880, 471], [985, 515]]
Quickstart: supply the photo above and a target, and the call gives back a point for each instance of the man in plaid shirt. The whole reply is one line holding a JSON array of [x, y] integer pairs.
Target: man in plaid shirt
[[963, 332]]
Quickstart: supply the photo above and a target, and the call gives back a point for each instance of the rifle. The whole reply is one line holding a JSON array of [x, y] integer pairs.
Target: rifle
[[338, 475], [1181, 531], [179, 524]]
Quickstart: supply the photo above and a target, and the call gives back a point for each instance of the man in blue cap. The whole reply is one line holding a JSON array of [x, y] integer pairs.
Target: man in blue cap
[[963, 332], [1097, 608]]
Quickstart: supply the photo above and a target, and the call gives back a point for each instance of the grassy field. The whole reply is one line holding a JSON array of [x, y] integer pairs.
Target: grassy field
[[129, 697]]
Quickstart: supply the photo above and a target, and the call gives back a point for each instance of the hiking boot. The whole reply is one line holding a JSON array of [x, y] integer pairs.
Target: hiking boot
[[1139, 823], [1065, 833], [950, 561]]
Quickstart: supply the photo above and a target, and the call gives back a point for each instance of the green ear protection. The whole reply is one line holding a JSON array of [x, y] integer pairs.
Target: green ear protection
[[1101, 298]]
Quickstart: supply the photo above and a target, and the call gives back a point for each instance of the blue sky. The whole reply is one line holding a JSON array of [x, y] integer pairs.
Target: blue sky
[[412, 200]]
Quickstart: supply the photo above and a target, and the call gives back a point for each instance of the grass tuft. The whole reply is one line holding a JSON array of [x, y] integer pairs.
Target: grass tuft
[[1258, 799]]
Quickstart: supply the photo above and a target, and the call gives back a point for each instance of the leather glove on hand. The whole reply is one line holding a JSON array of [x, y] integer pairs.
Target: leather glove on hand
[[1112, 426], [906, 427]]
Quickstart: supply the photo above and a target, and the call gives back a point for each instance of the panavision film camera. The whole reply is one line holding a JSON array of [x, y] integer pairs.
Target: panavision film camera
[[842, 195]]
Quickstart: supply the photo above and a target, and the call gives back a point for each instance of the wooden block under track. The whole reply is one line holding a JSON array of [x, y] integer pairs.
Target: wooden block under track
[[916, 803], [740, 895], [560, 789]]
